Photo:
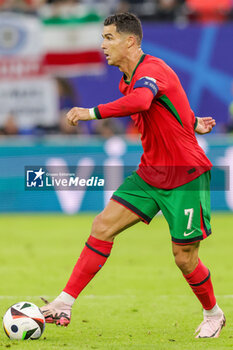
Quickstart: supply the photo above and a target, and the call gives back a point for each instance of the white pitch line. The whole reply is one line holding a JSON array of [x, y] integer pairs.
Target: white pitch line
[[91, 296], [49, 297], [2, 297]]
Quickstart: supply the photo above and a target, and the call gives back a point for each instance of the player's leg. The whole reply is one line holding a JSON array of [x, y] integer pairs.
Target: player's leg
[[195, 273], [114, 219], [198, 277], [110, 222], [120, 213], [187, 210]]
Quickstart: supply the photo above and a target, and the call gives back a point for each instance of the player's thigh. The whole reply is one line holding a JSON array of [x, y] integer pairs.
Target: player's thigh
[[112, 220], [129, 204], [187, 210], [137, 196]]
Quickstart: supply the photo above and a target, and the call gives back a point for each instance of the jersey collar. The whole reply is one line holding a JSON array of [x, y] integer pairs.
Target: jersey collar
[[140, 61]]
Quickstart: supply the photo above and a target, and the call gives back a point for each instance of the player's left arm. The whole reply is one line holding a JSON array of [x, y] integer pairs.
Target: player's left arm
[[204, 125]]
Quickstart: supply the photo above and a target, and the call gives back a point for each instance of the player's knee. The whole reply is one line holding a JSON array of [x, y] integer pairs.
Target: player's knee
[[186, 256], [101, 228], [185, 260]]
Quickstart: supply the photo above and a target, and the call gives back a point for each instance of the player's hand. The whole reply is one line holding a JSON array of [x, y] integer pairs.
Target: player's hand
[[204, 125], [76, 114]]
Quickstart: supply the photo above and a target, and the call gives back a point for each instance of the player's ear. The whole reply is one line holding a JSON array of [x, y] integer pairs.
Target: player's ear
[[131, 40]]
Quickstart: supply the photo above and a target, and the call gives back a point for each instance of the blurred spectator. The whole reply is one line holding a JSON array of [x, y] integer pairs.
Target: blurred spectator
[[67, 100], [229, 126], [230, 122], [142, 8], [62, 7], [108, 128], [10, 126], [67, 97], [209, 10], [26, 6], [132, 131], [159, 10], [169, 10]]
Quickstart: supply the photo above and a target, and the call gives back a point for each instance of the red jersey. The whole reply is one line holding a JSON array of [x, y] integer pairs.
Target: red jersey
[[161, 111]]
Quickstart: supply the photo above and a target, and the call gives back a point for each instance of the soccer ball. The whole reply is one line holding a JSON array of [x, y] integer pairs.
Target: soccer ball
[[23, 321]]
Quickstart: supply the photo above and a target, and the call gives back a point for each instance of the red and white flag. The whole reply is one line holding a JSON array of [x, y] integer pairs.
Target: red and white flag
[[72, 46], [32, 52]]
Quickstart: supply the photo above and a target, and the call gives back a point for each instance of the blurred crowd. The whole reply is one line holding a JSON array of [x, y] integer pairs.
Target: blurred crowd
[[67, 99], [159, 10], [179, 11]]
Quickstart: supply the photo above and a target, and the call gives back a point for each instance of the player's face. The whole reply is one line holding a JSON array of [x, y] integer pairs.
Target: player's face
[[114, 45]]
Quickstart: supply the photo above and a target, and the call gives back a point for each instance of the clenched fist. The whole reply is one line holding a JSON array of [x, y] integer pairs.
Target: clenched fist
[[76, 114]]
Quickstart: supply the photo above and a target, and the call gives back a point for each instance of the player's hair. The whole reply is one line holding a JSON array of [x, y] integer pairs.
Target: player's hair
[[126, 23]]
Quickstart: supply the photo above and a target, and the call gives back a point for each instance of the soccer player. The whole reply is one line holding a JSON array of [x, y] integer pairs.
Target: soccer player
[[173, 175]]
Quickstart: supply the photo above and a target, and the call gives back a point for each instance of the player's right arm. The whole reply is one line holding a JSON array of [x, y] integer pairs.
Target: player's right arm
[[147, 85], [138, 100]]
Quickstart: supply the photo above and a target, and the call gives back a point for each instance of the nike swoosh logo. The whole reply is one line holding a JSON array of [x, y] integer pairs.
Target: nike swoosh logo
[[188, 234]]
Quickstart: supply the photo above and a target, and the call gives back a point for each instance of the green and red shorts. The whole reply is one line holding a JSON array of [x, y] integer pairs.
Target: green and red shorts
[[186, 208]]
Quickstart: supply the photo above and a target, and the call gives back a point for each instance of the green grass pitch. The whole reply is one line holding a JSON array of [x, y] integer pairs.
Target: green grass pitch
[[138, 301]]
